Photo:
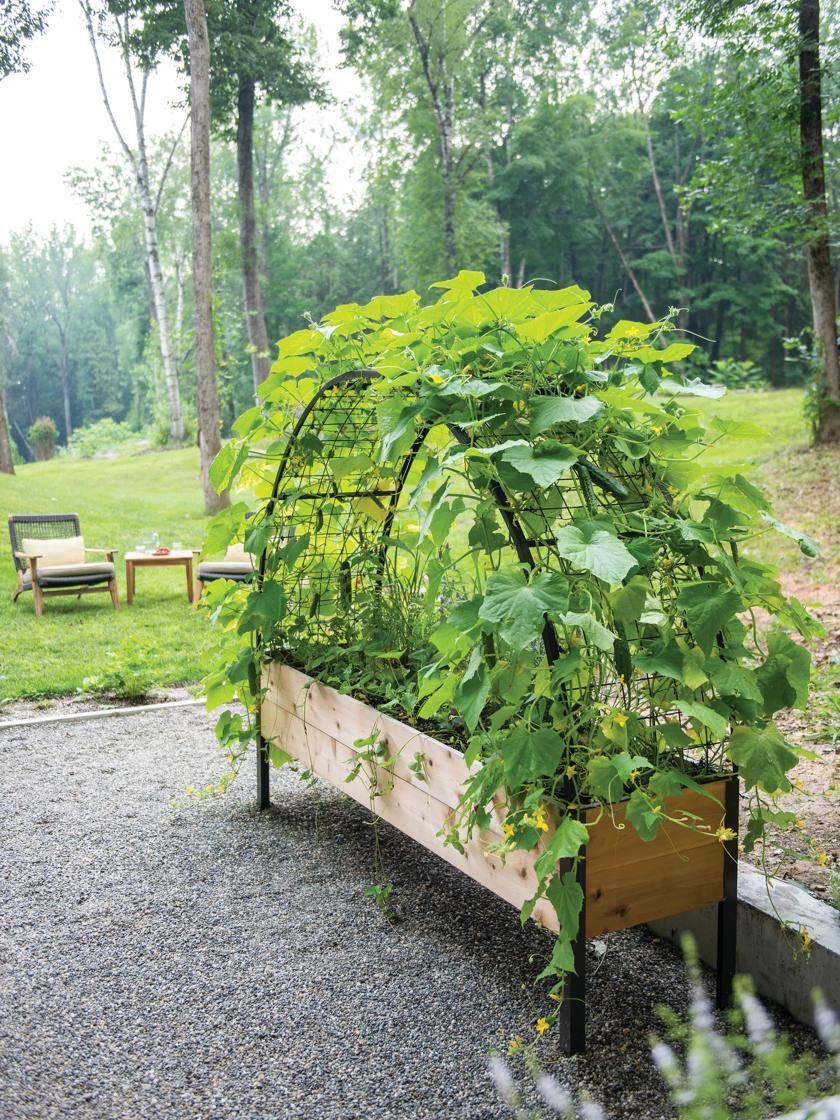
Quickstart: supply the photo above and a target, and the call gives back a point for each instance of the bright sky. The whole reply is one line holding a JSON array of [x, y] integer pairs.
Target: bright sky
[[52, 118]]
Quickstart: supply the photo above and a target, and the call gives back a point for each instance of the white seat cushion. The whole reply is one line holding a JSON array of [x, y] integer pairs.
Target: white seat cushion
[[58, 551], [64, 571], [236, 554], [228, 567]]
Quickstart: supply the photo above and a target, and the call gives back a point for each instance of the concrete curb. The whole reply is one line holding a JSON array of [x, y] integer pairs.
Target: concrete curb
[[99, 713], [828, 1109], [774, 957]]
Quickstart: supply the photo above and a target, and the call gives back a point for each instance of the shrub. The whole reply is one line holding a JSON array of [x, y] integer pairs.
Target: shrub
[[42, 436], [738, 375], [105, 438]]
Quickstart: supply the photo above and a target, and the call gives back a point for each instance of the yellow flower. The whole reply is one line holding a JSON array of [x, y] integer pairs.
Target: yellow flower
[[800, 823], [621, 719], [515, 1045], [798, 783], [724, 834], [621, 679], [571, 770], [539, 820], [822, 859], [656, 809], [436, 378], [189, 791], [509, 829], [806, 939], [542, 1026], [634, 775], [657, 429]]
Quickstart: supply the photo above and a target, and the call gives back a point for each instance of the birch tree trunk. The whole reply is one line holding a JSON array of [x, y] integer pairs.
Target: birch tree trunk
[[820, 275], [443, 106], [138, 161], [254, 309], [209, 441], [170, 368], [6, 464]]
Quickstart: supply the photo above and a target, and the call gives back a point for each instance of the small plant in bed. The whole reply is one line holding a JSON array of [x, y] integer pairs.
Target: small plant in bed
[[488, 514]]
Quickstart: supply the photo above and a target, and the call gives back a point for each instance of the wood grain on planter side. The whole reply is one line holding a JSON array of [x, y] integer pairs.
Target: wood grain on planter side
[[628, 881]]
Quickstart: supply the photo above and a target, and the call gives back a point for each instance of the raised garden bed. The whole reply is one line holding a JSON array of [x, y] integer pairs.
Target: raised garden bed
[[483, 514], [627, 881]]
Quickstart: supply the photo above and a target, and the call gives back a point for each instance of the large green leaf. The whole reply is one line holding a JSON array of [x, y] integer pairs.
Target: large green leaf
[[544, 464], [225, 466], [530, 754], [562, 959], [668, 659], [692, 388], [519, 605], [565, 894], [703, 714], [542, 326], [473, 690], [566, 842], [590, 546], [263, 608], [730, 679], [548, 411], [708, 606], [807, 545], [645, 814], [763, 757], [785, 675], [596, 633]]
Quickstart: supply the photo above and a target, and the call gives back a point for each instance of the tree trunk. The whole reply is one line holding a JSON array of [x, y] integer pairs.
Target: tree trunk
[[140, 166], [449, 187], [444, 111], [254, 311], [170, 369], [209, 441], [65, 393], [6, 464], [820, 275], [505, 266], [628, 268], [64, 375]]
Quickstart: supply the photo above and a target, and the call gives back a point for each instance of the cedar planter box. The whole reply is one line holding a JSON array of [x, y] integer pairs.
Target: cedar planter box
[[626, 881]]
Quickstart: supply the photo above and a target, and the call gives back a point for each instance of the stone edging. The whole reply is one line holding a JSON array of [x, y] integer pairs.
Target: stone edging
[[781, 968]]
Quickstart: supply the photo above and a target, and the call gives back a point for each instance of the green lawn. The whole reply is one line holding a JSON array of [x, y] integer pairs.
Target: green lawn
[[778, 413], [159, 640]]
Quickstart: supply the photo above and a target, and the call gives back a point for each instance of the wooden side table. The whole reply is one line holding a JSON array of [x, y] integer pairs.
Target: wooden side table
[[149, 560]]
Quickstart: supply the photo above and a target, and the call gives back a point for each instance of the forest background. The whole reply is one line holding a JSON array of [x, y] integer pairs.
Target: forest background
[[648, 151]]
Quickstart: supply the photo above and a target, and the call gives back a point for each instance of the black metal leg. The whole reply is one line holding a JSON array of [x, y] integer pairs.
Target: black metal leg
[[263, 775], [572, 1018], [727, 916]]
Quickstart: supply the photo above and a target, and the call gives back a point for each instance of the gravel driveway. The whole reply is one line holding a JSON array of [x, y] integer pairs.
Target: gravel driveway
[[209, 961]]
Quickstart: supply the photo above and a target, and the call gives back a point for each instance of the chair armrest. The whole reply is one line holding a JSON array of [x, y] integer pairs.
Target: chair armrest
[[29, 555], [109, 552]]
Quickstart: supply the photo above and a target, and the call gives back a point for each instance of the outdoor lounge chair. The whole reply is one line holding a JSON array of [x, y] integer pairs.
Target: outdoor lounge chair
[[237, 564], [50, 557]]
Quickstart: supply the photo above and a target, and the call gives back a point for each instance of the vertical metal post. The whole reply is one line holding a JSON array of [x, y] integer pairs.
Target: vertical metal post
[[727, 915], [572, 1017], [263, 775]]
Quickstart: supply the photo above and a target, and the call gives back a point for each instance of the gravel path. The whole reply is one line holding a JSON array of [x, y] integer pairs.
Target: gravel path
[[208, 961]]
